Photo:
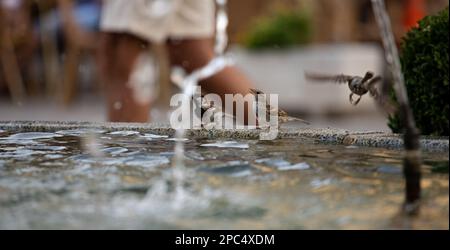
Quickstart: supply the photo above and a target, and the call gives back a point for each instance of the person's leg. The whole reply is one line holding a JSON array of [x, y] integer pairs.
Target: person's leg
[[118, 54], [192, 54], [196, 53]]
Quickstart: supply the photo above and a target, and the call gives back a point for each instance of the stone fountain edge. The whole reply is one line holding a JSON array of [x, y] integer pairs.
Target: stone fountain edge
[[322, 135]]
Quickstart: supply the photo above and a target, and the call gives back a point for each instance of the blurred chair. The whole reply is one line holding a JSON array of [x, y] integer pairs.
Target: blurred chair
[[74, 26], [79, 40], [49, 47], [9, 28]]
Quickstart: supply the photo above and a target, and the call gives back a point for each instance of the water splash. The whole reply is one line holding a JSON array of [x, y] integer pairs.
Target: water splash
[[92, 145], [190, 82], [142, 81], [221, 27]]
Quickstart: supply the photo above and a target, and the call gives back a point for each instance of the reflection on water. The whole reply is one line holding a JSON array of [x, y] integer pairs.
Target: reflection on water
[[124, 133], [284, 165], [227, 144], [31, 136], [155, 137], [49, 181], [79, 132]]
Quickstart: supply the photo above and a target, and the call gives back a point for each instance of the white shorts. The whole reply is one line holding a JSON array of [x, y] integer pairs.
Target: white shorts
[[158, 20]]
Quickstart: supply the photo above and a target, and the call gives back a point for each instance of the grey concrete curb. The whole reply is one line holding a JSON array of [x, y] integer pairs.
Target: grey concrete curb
[[333, 136]]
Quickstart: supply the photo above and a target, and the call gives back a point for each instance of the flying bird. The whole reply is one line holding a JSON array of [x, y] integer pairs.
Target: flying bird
[[358, 86]]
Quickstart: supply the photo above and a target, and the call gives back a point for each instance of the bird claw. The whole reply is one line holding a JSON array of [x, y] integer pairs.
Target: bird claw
[[353, 102]]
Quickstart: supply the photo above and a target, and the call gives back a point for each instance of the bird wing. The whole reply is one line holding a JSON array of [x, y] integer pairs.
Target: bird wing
[[383, 102], [328, 78], [374, 81]]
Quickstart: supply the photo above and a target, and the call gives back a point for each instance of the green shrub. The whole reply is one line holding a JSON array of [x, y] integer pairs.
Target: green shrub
[[425, 63], [284, 29]]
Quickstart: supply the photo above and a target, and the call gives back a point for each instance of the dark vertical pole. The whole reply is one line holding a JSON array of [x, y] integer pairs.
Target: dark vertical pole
[[413, 160]]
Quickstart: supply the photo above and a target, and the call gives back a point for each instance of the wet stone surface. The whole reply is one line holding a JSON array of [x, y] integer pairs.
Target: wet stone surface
[[99, 179]]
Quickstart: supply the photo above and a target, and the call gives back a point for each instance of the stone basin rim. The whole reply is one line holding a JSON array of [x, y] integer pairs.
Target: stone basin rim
[[322, 135]]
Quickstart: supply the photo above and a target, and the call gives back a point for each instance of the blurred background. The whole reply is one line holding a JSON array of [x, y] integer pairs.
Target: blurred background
[[48, 61]]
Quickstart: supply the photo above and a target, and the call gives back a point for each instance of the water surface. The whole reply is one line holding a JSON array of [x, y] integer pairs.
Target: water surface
[[98, 179]]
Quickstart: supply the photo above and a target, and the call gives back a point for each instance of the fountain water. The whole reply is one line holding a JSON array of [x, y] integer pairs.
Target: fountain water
[[48, 180], [190, 82], [188, 85], [412, 161]]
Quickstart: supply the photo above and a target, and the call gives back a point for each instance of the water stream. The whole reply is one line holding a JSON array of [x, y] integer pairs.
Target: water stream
[[188, 85]]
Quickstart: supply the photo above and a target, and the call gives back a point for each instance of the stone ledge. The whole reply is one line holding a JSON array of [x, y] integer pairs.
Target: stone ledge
[[328, 135]]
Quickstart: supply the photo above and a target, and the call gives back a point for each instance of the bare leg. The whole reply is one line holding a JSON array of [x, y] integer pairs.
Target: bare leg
[[118, 54], [194, 54], [357, 101]]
